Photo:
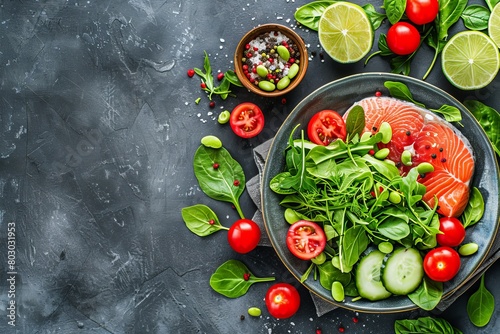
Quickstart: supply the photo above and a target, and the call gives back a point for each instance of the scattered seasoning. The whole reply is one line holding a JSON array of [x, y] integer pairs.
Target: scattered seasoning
[[341, 329], [378, 93], [242, 317], [212, 104], [408, 133], [443, 160], [215, 165], [283, 101], [371, 152], [355, 320], [318, 330], [211, 222], [440, 149], [427, 147], [203, 85], [190, 73], [246, 276], [220, 76], [270, 58], [236, 183], [433, 155]]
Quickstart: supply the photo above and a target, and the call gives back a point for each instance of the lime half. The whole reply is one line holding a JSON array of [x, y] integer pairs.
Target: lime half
[[494, 25], [470, 60], [345, 32]]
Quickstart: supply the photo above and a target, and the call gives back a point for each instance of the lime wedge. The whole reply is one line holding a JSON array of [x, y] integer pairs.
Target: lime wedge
[[345, 32], [494, 24], [470, 60]]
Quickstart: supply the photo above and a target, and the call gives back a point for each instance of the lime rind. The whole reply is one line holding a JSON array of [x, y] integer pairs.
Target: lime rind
[[494, 25], [470, 60], [345, 32]]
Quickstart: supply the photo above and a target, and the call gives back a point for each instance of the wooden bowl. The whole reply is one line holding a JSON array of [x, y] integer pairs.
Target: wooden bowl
[[254, 33]]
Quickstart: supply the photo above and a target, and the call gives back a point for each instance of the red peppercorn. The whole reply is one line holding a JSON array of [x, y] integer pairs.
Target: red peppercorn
[[220, 76], [378, 93], [283, 101], [245, 67], [212, 104], [203, 85], [211, 222], [249, 55], [215, 165], [291, 60], [341, 329], [190, 73], [371, 152], [318, 331], [355, 320], [246, 276], [236, 183], [247, 46]]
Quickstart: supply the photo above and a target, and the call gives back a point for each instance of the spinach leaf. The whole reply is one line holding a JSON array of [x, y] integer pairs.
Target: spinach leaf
[[394, 9], [450, 113], [355, 122], [475, 208], [309, 14], [329, 274], [424, 325], [476, 17], [400, 91], [449, 13], [354, 243], [427, 295], [225, 183], [489, 119], [201, 220], [233, 279], [375, 17], [394, 228], [481, 305]]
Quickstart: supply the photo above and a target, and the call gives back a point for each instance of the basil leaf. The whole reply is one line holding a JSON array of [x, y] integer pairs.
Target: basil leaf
[[428, 294], [375, 17], [201, 220], [475, 208], [229, 279], [329, 274], [394, 9], [424, 325], [394, 228], [225, 183], [450, 113], [233, 78], [476, 17], [355, 122], [400, 91], [489, 119], [449, 14], [309, 14], [481, 305]]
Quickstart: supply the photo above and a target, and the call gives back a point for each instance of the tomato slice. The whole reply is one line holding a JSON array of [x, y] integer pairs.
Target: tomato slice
[[247, 120], [326, 126], [282, 300], [305, 239], [442, 264]]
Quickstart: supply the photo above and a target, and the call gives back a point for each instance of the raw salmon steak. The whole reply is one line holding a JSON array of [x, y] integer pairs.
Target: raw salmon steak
[[429, 139]]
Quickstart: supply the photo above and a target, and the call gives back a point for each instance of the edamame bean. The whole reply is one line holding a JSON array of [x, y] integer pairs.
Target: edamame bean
[[262, 71], [406, 158], [283, 83], [365, 136], [320, 259], [394, 197], [267, 86], [283, 52], [382, 153], [385, 247], [386, 131], [338, 291], [293, 70], [254, 312], [468, 249], [211, 141], [291, 216], [224, 117], [424, 168]]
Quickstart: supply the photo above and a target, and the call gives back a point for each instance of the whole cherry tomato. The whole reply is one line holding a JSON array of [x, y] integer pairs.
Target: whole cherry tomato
[[305, 239], [243, 236], [282, 300], [403, 38], [453, 232], [246, 120], [441, 264], [422, 11], [325, 126]]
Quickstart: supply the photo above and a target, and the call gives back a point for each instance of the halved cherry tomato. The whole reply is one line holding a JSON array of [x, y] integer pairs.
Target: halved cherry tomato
[[326, 126], [282, 300], [305, 239], [243, 236], [442, 263], [403, 38], [421, 11], [453, 232], [247, 120]]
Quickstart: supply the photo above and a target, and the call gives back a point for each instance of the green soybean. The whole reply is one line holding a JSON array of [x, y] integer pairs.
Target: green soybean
[[320, 259], [386, 131], [425, 167], [394, 197], [291, 216], [283, 83], [283, 52], [468, 249], [293, 71], [382, 153], [406, 158], [385, 247], [267, 86], [224, 117], [365, 136], [254, 311], [262, 71], [338, 291], [211, 141]]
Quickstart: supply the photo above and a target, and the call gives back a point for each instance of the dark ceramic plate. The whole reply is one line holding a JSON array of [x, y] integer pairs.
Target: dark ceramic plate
[[340, 95]]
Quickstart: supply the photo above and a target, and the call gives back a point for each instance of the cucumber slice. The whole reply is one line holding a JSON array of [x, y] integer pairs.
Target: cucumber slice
[[368, 280], [403, 271]]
